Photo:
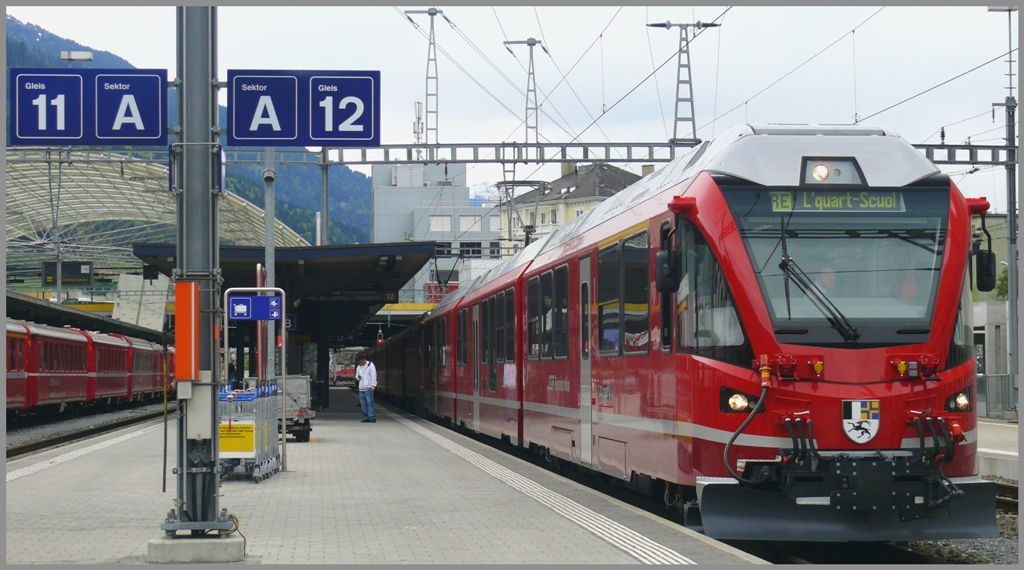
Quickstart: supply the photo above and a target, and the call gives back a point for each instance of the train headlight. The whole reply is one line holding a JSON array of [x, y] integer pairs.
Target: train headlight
[[733, 401], [831, 171], [960, 401], [738, 402]]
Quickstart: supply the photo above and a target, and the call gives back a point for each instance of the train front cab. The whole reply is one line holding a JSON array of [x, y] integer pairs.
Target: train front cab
[[867, 430]]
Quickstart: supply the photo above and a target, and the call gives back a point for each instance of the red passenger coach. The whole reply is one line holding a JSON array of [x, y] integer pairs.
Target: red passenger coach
[[773, 332], [50, 367], [54, 366]]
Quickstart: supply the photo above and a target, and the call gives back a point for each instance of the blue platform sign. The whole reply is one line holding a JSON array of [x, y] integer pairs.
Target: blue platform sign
[[254, 308], [303, 108], [88, 107]]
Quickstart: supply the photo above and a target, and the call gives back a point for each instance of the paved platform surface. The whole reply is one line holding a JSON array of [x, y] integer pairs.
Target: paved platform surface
[[402, 490]]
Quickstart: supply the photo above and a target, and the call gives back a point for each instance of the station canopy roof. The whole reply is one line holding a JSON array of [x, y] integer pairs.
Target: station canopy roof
[[107, 201]]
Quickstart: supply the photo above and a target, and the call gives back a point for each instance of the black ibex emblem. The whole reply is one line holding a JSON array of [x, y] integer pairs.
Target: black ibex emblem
[[860, 428]]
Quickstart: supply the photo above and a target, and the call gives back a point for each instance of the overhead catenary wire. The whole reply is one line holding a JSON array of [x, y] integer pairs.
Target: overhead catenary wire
[[937, 131], [657, 88], [823, 50], [934, 87]]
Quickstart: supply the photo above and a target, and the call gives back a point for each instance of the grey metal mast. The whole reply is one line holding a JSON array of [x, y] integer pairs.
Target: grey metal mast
[[431, 99], [1011, 202], [684, 81], [197, 509]]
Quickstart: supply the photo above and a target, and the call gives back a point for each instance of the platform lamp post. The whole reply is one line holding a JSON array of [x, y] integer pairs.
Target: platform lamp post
[[1011, 199], [70, 57]]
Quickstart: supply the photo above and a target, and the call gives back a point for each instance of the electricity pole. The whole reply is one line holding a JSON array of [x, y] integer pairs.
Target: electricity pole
[[684, 80]]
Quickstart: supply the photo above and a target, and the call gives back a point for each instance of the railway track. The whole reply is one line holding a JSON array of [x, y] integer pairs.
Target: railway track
[[1006, 497], [81, 433]]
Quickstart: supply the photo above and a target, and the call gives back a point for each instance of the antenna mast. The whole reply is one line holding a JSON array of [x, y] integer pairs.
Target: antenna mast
[[431, 100]]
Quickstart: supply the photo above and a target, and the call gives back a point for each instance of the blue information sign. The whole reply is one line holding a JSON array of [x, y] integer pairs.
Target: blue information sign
[[88, 106], [254, 308], [303, 108]]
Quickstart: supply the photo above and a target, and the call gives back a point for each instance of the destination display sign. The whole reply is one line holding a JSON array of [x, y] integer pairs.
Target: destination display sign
[[88, 106], [303, 108], [837, 201]]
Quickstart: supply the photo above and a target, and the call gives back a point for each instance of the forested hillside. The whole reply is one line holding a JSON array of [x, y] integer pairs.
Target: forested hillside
[[297, 191]]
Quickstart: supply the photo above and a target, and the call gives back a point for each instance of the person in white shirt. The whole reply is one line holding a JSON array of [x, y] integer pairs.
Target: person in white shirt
[[366, 375]]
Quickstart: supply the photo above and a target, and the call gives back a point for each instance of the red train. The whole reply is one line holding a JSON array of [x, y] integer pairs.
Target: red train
[[50, 368], [773, 332]]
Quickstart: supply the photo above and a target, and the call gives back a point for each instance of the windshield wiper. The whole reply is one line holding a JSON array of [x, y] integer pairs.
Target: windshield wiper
[[832, 314]]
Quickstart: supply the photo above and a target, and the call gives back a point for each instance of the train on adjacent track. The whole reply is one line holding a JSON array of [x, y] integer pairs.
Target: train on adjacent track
[[53, 370], [773, 332]]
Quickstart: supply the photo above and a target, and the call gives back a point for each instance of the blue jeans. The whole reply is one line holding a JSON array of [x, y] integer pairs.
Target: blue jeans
[[366, 401]]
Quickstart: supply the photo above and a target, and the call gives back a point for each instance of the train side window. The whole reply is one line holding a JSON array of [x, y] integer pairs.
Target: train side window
[[428, 346], [636, 314], [499, 327], [708, 322], [493, 359], [585, 320], [546, 315], [510, 326], [609, 325], [561, 312], [442, 346], [533, 316], [460, 338], [666, 298], [485, 330]]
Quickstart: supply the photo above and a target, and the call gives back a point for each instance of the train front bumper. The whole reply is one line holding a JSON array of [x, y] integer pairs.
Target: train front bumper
[[731, 511]]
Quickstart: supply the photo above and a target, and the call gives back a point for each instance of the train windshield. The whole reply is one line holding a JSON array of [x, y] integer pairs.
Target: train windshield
[[856, 266]]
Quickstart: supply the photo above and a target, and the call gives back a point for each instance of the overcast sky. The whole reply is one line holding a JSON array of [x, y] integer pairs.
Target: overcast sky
[[763, 65]]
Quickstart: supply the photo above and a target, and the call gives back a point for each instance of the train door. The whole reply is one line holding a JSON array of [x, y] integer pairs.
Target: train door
[[474, 334], [586, 416]]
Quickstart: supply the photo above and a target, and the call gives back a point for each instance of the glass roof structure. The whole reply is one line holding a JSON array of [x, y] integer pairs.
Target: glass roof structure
[[101, 203]]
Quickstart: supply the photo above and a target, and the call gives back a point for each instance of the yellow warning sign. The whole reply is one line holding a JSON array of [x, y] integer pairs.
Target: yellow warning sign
[[237, 438]]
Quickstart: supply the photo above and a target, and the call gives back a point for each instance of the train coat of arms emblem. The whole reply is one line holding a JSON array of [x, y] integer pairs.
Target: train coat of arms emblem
[[860, 420]]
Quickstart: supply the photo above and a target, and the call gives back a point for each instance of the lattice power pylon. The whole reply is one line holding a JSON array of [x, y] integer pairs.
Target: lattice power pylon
[[431, 99], [531, 118], [684, 85]]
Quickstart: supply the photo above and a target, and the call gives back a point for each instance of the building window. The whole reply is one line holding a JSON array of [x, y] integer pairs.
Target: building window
[[443, 249], [554, 217], [533, 218], [495, 250], [451, 276], [440, 223], [469, 223], [579, 212], [542, 218], [470, 249], [494, 223]]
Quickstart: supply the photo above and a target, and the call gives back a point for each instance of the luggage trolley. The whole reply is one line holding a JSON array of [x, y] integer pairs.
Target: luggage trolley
[[248, 442]]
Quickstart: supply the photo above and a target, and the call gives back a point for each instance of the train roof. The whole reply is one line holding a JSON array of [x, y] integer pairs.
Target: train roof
[[771, 155], [521, 258], [36, 329]]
